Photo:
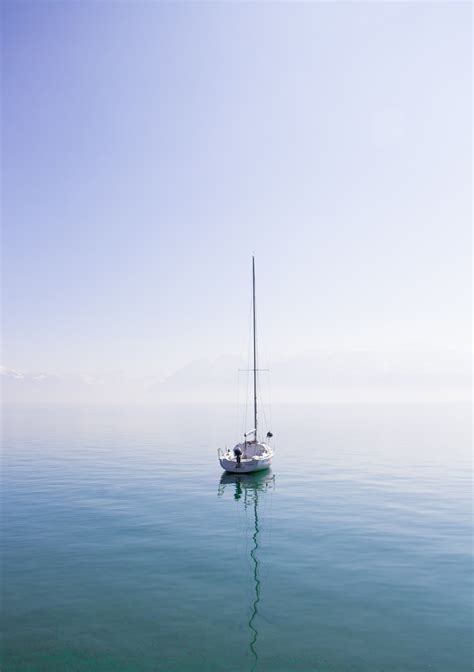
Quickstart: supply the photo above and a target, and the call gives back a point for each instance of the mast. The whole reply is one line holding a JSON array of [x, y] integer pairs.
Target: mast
[[254, 351]]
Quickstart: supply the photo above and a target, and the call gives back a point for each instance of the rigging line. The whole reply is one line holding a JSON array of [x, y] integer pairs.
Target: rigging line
[[249, 336], [239, 419], [265, 406], [270, 400], [236, 405], [262, 405], [267, 368]]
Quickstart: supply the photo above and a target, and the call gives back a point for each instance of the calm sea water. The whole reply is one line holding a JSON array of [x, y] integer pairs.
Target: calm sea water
[[126, 550]]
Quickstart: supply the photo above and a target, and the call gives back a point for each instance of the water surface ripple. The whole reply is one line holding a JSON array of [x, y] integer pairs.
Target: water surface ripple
[[126, 549]]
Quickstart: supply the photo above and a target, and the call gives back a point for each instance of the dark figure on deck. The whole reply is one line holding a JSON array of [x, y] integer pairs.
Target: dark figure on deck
[[238, 454]]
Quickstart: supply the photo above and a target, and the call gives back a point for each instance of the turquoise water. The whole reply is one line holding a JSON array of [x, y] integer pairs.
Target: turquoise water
[[126, 550]]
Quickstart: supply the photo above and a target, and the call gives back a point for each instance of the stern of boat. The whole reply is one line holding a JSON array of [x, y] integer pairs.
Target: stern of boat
[[247, 465]]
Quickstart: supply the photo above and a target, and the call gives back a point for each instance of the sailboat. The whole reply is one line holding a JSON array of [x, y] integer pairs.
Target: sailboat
[[251, 454]]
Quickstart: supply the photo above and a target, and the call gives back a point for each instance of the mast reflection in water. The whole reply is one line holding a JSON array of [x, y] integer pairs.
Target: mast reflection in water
[[250, 487]]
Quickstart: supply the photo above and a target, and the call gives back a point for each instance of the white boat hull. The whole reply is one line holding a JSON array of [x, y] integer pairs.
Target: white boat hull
[[249, 462], [245, 466]]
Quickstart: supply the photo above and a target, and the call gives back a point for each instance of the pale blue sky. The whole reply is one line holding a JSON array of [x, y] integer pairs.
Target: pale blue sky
[[149, 148]]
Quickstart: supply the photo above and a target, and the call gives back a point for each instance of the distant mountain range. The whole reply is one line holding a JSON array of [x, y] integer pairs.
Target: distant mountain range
[[19, 386], [352, 375]]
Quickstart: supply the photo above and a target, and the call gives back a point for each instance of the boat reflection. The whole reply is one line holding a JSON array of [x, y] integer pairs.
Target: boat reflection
[[248, 488]]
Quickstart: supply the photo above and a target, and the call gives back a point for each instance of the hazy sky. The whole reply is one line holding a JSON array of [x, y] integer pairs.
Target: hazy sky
[[149, 148]]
